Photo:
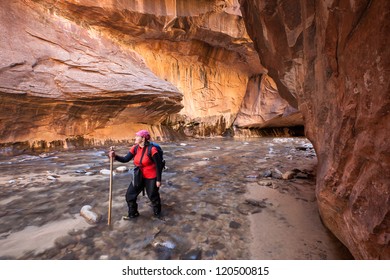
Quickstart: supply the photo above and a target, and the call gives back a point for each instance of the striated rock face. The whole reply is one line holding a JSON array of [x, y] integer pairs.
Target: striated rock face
[[59, 80], [103, 69], [200, 47], [333, 56], [263, 107]]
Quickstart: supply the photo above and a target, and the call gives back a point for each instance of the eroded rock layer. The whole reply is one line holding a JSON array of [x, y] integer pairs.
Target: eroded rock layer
[[262, 106], [101, 69], [334, 57], [59, 80]]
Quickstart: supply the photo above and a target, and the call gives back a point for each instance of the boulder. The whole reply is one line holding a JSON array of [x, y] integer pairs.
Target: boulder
[[89, 215]]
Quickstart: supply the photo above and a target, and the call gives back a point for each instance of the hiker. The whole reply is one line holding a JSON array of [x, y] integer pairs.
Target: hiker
[[151, 172]]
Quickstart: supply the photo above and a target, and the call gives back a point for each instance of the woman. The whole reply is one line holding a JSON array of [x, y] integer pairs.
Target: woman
[[151, 172]]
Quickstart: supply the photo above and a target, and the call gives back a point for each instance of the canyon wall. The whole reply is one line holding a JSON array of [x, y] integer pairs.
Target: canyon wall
[[60, 80], [100, 70], [333, 56]]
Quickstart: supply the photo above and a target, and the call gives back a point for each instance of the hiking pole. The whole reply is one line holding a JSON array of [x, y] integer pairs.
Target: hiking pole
[[110, 192]]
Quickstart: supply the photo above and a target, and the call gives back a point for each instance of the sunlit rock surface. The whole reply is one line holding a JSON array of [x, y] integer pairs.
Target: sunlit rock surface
[[100, 70], [200, 47], [333, 56], [60, 80]]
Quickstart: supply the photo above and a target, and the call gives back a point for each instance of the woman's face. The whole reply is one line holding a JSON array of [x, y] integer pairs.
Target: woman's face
[[138, 139]]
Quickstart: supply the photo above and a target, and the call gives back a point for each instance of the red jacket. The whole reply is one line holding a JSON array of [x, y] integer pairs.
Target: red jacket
[[148, 167]]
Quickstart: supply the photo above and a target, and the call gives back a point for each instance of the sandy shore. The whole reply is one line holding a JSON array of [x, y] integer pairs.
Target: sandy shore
[[290, 228]]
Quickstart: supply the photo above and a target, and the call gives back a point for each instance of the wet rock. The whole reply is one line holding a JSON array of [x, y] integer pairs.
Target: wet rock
[[195, 254], [257, 203], [252, 176], [65, 241], [104, 257], [250, 206], [164, 243], [277, 174], [122, 169], [44, 155], [305, 147], [267, 173], [163, 253], [201, 239], [209, 216], [266, 183], [288, 175], [105, 172], [90, 216], [186, 228], [234, 224], [164, 248]]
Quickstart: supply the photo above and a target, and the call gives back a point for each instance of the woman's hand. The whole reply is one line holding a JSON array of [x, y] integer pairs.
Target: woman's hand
[[158, 184], [111, 154]]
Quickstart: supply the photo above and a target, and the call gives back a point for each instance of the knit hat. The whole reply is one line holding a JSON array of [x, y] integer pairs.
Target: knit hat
[[143, 133]]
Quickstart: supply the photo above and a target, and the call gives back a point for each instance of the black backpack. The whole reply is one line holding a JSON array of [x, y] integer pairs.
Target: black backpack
[[159, 150]]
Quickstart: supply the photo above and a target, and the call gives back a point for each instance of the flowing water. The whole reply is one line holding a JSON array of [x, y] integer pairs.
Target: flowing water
[[222, 199]]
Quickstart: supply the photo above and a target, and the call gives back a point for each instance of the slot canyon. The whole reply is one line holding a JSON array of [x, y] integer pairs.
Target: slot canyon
[[78, 74]]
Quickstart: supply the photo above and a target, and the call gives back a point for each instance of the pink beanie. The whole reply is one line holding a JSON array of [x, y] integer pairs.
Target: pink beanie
[[143, 133]]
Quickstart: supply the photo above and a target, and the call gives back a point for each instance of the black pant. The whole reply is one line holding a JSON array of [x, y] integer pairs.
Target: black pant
[[151, 190]]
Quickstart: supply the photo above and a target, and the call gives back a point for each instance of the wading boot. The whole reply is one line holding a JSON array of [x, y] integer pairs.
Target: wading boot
[[131, 216]]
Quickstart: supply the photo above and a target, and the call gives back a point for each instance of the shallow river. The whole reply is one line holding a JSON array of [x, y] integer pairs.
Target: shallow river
[[222, 199]]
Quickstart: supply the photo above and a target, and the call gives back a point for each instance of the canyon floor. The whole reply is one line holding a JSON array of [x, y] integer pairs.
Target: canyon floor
[[222, 199]]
